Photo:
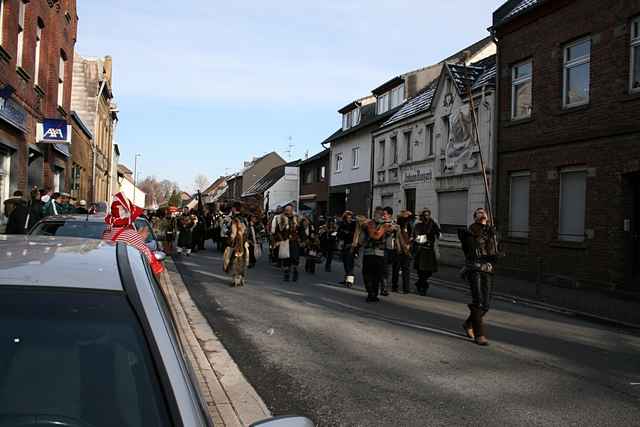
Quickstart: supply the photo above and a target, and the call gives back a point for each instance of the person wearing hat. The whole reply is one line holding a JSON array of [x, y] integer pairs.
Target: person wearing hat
[[82, 208], [425, 235], [402, 256], [53, 206]]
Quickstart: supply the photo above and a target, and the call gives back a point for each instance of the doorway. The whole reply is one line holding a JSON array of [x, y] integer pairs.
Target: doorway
[[410, 200], [635, 231], [632, 232]]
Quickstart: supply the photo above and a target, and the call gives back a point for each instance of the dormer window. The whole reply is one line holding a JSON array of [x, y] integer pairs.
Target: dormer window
[[391, 99], [351, 118]]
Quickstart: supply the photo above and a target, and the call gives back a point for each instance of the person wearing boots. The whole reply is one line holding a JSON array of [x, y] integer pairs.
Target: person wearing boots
[[346, 231], [287, 237], [328, 241], [373, 263], [236, 254], [425, 234], [480, 248], [402, 255], [389, 250], [310, 244]]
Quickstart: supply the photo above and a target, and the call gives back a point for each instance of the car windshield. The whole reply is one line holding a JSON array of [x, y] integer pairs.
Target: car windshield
[[78, 356], [87, 229]]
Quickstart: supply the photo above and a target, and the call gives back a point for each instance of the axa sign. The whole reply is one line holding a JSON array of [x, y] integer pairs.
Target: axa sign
[[53, 131]]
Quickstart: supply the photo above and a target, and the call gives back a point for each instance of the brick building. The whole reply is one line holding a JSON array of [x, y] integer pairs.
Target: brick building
[[569, 139], [36, 57], [314, 184]]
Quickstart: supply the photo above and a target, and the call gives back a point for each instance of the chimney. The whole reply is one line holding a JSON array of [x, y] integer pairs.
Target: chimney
[[108, 68]]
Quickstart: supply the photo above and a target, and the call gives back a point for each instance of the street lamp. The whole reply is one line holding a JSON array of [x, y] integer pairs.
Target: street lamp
[[135, 176]]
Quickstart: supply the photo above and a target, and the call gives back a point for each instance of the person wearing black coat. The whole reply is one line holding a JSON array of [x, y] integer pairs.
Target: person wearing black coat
[[346, 231], [425, 234], [16, 211]]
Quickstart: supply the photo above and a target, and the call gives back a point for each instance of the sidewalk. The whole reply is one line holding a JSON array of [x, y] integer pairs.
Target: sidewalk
[[588, 303], [231, 400]]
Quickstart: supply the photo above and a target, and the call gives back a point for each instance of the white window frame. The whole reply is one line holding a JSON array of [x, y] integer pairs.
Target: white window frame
[[515, 83], [571, 64], [36, 70], [512, 233], [584, 227], [61, 76], [2, 4], [635, 43], [383, 103], [339, 162], [355, 157], [22, 12], [355, 117], [323, 173]]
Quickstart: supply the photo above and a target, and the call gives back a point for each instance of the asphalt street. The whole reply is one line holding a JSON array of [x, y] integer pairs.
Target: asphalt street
[[317, 349]]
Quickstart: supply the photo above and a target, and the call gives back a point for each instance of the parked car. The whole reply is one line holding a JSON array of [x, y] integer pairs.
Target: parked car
[[90, 227], [88, 340]]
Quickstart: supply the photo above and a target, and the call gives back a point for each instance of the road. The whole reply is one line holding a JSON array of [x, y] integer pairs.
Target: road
[[317, 349]]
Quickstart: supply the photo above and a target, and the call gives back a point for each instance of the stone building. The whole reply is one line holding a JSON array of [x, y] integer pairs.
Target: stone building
[[36, 55], [569, 140], [93, 101], [79, 177]]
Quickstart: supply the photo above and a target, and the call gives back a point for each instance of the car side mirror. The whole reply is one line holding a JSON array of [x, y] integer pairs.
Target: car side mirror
[[285, 422], [160, 256]]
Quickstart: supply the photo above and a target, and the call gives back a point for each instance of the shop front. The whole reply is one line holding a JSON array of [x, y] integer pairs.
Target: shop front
[[13, 127]]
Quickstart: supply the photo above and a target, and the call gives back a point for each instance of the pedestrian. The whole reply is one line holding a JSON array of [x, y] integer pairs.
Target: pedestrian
[[168, 232], [328, 242], [373, 263], [346, 232], [310, 243], [82, 208], [389, 249], [287, 233], [16, 211], [255, 245], [402, 255], [480, 248], [186, 224], [66, 208], [236, 254], [425, 236], [35, 208], [53, 206]]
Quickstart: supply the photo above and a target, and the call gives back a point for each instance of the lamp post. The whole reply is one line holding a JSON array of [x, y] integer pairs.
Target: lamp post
[[135, 176]]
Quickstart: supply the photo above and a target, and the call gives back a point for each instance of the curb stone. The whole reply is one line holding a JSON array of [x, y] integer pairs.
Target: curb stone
[[231, 400]]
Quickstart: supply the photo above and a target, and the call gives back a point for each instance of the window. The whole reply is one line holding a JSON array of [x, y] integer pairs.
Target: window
[[355, 156], [339, 162], [394, 150], [323, 173], [2, 2], [308, 176], [61, 72], [635, 54], [521, 86], [91, 352], [36, 71], [430, 140], [519, 205], [381, 150], [393, 174], [409, 146], [383, 103], [5, 169], [410, 199], [446, 131], [452, 211], [577, 59], [350, 119], [381, 176], [573, 191], [21, 15]]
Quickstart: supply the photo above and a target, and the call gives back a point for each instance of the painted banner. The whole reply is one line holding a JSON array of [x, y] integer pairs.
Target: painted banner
[[461, 139]]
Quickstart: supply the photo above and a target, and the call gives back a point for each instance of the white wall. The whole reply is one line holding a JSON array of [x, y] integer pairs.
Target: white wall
[[127, 188], [286, 189], [350, 175]]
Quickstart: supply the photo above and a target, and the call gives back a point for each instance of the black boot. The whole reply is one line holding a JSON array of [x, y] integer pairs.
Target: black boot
[[478, 326]]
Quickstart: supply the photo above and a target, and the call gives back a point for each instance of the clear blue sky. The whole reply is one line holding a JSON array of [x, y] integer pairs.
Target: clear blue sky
[[207, 84]]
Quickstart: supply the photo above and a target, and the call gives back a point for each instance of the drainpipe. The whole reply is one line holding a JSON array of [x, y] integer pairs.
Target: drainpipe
[[95, 137], [496, 120]]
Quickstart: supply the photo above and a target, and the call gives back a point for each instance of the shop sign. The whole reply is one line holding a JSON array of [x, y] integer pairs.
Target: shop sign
[[419, 176], [12, 113], [56, 131]]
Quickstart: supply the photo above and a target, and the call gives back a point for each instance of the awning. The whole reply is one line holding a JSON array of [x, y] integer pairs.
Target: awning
[[62, 149]]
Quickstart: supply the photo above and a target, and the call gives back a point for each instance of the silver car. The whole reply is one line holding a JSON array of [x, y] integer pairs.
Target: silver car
[[87, 339]]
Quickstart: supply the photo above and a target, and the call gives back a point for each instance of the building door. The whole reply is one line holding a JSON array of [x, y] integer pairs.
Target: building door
[[635, 230], [337, 203], [410, 199], [632, 232]]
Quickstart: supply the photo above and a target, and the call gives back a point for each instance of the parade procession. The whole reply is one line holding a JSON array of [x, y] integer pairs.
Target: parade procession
[[299, 214]]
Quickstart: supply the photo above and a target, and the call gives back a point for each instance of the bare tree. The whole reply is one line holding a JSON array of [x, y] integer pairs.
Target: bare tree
[[159, 191], [201, 182]]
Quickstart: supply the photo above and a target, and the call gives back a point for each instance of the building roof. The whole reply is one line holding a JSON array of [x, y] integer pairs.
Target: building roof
[[269, 180], [368, 118], [512, 9], [124, 170], [318, 156], [214, 186], [475, 75], [416, 105]]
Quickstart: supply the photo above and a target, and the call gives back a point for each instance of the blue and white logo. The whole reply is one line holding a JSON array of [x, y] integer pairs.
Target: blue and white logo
[[54, 131]]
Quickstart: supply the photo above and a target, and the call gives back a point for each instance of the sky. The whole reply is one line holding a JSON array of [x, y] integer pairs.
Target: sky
[[207, 85]]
